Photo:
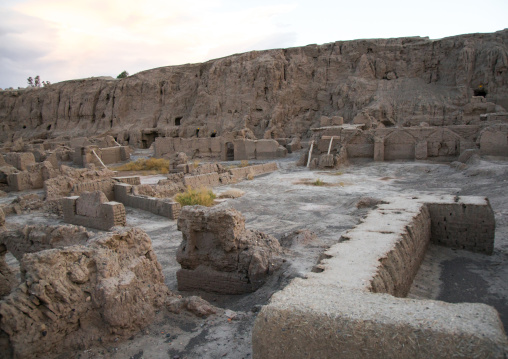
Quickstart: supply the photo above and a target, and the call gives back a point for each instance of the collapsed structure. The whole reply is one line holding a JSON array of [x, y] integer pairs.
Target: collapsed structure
[[218, 254], [76, 291], [384, 99]]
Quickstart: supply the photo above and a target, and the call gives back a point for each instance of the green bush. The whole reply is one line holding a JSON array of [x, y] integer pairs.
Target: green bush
[[123, 75], [199, 196]]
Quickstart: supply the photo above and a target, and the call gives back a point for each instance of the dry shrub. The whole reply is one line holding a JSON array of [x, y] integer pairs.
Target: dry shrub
[[232, 193], [159, 165], [199, 196], [318, 182], [244, 163], [250, 176]]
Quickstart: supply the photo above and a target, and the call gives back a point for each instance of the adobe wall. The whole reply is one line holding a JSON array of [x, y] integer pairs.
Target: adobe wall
[[20, 160], [218, 254], [352, 305], [408, 143], [71, 297], [84, 155], [209, 147], [162, 207], [256, 149], [494, 141], [92, 209], [104, 185]]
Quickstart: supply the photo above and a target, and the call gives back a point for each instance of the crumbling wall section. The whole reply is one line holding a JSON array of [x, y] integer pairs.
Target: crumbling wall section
[[349, 303], [92, 209], [73, 297], [162, 207], [218, 254]]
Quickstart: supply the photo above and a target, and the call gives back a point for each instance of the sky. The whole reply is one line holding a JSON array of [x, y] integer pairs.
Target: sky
[[69, 39]]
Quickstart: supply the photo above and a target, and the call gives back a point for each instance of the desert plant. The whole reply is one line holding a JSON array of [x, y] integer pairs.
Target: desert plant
[[159, 165], [244, 163], [250, 176], [232, 193], [318, 182], [196, 196], [123, 75]]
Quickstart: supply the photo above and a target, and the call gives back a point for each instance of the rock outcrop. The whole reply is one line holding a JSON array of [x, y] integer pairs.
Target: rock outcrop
[[277, 93], [79, 295], [218, 254]]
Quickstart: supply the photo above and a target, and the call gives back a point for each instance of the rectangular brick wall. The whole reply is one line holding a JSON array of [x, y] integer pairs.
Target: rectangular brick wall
[[463, 226]]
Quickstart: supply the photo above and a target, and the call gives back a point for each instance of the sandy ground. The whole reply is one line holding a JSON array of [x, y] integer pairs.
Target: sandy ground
[[284, 201]]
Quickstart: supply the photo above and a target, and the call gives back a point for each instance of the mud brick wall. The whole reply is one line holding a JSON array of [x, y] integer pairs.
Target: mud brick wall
[[201, 147], [255, 170], [20, 160], [105, 186], [204, 180], [351, 303], [114, 154], [132, 180], [209, 280], [25, 180], [162, 207], [399, 266], [108, 214], [463, 226]]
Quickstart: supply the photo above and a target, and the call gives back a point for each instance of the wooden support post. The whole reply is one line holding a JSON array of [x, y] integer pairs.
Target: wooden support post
[[310, 153]]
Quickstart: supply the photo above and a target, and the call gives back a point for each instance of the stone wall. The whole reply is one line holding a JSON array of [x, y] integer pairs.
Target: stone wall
[[348, 305], [92, 209]]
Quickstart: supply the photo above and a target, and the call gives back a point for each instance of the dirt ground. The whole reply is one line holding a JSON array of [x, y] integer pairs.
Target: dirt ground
[[285, 201]]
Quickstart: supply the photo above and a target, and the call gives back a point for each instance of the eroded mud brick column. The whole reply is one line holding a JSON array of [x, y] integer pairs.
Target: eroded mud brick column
[[218, 254]]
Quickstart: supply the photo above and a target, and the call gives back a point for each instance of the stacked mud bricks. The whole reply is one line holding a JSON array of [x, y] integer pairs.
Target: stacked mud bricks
[[92, 209]]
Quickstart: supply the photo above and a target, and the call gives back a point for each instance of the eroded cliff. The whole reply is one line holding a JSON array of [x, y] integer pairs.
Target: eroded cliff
[[277, 93]]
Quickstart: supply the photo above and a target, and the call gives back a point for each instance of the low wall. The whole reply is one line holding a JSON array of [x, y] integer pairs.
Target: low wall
[[200, 147], [104, 185], [348, 306], [20, 160], [93, 211], [162, 207]]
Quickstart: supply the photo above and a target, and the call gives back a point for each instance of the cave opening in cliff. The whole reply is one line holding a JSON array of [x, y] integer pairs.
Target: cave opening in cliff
[[178, 121], [480, 92], [48, 128], [148, 138], [214, 134]]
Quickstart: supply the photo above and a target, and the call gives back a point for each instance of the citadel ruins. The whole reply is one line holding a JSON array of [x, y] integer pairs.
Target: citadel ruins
[[369, 169]]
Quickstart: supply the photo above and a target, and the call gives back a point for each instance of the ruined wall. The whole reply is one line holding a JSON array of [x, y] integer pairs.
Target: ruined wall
[[349, 305], [80, 295], [162, 207], [279, 93], [451, 225], [218, 254], [92, 209]]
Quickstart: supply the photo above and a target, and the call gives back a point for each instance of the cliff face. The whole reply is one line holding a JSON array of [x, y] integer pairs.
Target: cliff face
[[278, 93]]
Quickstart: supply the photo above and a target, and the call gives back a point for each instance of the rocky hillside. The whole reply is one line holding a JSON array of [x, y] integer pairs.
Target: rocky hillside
[[278, 93]]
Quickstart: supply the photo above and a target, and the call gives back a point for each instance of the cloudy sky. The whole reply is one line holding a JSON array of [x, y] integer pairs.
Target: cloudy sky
[[68, 39]]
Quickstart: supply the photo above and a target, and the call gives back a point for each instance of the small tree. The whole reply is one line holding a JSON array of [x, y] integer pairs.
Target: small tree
[[123, 75], [37, 82]]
